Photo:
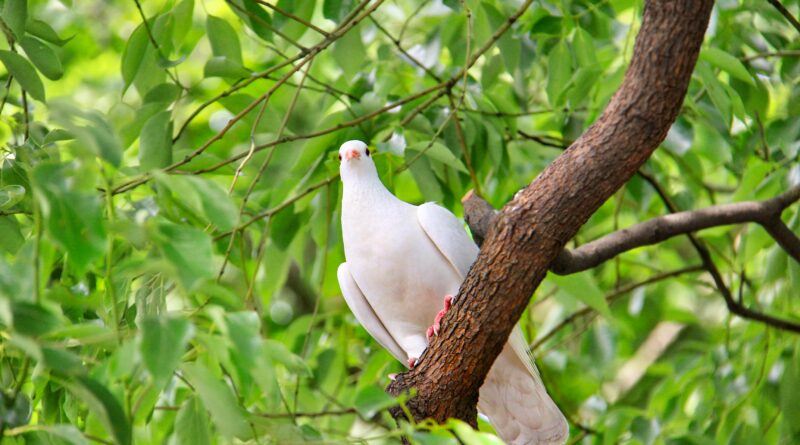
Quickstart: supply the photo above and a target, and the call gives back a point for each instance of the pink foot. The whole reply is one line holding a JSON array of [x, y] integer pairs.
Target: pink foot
[[412, 361], [437, 322]]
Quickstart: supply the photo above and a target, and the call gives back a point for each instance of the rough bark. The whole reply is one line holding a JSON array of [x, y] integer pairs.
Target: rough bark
[[480, 217], [533, 228]]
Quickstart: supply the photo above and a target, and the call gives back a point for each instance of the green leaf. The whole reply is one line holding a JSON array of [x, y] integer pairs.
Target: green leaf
[[727, 63], [24, 73], [57, 135], [440, 153], [349, 52], [582, 287], [62, 361], [10, 195], [559, 72], [104, 405], [155, 142], [133, 56], [15, 14], [719, 97], [226, 413], [224, 67], [68, 433], [191, 424], [11, 238], [224, 39], [335, 9], [279, 353], [244, 331], [255, 17], [188, 250], [207, 199], [164, 341], [45, 32], [43, 57], [789, 389], [469, 436], [72, 212], [93, 131], [284, 227], [33, 320], [165, 92], [371, 399], [182, 13], [291, 27], [584, 48]]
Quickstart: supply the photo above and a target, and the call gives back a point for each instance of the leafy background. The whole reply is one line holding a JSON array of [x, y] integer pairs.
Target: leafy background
[[169, 207]]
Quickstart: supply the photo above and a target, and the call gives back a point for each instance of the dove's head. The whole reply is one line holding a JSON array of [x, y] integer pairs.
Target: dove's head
[[355, 161]]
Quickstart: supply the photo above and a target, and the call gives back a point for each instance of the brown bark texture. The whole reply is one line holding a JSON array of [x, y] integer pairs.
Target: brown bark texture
[[533, 228], [480, 215]]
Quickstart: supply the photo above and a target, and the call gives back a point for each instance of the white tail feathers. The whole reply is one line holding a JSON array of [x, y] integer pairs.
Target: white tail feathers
[[518, 405]]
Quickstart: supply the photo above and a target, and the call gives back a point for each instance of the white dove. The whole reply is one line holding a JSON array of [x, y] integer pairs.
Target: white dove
[[401, 260]]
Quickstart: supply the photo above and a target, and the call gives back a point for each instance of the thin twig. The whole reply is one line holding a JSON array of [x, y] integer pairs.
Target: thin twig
[[155, 44], [610, 299], [769, 54], [264, 165], [785, 12], [310, 54], [405, 53]]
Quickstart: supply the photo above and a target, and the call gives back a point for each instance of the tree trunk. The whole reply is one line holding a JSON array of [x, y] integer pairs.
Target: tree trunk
[[533, 228]]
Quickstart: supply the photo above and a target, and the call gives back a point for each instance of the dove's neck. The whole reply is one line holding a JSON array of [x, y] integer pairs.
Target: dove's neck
[[365, 197]]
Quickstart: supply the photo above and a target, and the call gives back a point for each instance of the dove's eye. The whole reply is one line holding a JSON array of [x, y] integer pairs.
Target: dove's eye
[[340, 157], [367, 150]]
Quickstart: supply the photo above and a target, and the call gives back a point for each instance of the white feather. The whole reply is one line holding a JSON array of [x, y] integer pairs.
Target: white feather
[[401, 261]]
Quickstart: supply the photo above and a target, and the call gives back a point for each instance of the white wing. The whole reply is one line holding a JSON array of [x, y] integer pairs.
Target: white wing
[[448, 234], [365, 315]]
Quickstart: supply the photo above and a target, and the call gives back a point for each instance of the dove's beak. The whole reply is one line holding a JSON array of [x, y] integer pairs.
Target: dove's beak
[[352, 154]]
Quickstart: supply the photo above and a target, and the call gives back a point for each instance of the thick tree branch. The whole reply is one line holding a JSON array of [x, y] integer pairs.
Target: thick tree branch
[[480, 215], [534, 227]]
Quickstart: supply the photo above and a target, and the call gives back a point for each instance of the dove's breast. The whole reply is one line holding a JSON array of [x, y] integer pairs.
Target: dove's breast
[[397, 267]]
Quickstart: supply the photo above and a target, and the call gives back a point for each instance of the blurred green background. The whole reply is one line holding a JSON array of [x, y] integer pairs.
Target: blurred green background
[[169, 215]]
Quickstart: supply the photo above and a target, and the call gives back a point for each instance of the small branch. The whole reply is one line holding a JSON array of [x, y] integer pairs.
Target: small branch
[[5, 94], [664, 227], [480, 215], [340, 412], [520, 113], [242, 83], [26, 116], [784, 236], [770, 54], [462, 142], [785, 12], [543, 140], [14, 212], [405, 53]]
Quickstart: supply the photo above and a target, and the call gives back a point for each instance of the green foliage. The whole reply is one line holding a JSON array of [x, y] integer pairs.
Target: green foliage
[[169, 217]]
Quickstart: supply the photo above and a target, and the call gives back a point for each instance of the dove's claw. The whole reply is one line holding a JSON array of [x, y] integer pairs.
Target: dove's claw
[[412, 361], [437, 322], [392, 376]]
